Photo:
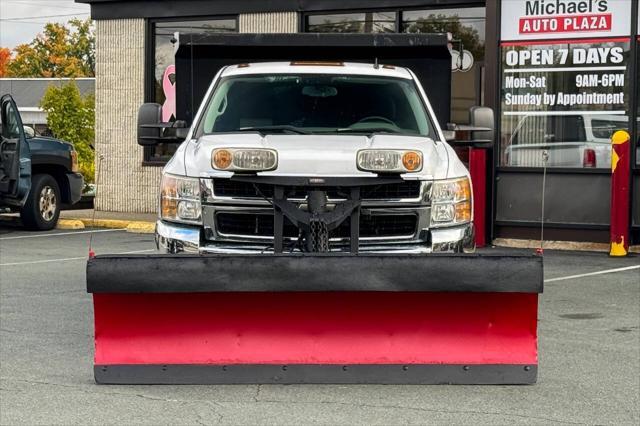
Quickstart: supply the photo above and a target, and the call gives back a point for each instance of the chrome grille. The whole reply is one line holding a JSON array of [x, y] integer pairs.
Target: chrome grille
[[393, 191]]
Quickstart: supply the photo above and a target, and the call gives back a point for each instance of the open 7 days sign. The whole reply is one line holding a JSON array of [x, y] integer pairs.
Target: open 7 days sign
[[564, 19]]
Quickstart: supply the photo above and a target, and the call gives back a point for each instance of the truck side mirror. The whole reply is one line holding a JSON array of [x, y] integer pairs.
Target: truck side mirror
[[152, 131], [478, 134], [480, 116], [149, 116]]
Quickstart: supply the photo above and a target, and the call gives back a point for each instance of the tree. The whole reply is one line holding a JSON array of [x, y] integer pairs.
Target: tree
[[440, 23], [5, 58], [60, 51], [70, 117]]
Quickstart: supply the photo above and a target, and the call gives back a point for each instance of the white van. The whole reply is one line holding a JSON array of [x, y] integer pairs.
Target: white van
[[571, 140]]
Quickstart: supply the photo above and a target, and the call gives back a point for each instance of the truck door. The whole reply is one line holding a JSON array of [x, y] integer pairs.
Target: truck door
[[15, 161]]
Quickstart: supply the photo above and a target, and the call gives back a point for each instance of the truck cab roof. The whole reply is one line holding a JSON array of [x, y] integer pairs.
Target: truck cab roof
[[317, 67]]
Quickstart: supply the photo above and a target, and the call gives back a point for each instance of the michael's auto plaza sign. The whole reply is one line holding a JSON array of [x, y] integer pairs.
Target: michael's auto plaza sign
[[550, 19]]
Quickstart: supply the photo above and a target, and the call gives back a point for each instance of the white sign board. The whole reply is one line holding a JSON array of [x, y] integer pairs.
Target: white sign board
[[564, 19]]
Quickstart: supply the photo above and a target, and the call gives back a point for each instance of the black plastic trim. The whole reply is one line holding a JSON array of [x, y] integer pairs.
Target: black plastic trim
[[561, 225], [117, 9], [379, 40], [414, 374], [315, 273], [555, 170]]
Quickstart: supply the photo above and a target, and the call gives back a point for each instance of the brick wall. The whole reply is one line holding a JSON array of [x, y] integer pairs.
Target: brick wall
[[123, 184], [272, 22]]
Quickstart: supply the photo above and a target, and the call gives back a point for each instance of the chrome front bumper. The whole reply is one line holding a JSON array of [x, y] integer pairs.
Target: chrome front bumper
[[177, 238]]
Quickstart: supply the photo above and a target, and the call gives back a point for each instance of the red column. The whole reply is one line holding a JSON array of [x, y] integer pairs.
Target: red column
[[478, 171], [620, 175]]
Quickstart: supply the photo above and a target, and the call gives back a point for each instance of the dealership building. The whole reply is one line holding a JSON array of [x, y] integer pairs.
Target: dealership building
[[561, 75]]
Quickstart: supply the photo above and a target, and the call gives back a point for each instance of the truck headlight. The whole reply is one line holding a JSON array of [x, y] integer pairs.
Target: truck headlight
[[389, 160], [244, 159], [180, 199], [451, 202]]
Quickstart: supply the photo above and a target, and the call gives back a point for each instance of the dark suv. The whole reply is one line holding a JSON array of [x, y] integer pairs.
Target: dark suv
[[37, 174]]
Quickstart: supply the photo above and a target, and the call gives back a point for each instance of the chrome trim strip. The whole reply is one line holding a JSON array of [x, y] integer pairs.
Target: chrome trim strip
[[209, 197], [250, 249], [176, 238]]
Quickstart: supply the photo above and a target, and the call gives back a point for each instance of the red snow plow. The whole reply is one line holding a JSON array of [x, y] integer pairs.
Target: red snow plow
[[315, 318], [328, 269]]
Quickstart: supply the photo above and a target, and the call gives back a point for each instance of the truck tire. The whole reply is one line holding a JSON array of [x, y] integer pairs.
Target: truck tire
[[42, 209]]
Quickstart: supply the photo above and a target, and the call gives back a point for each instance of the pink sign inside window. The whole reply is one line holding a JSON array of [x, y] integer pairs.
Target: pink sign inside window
[[169, 89]]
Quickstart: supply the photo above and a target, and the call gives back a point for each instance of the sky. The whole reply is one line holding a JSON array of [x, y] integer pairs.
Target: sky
[[22, 20]]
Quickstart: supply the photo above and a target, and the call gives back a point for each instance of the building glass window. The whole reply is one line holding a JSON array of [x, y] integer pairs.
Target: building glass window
[[563, 99], [366, 22], [466, 25], [467, 28], [166, 36]]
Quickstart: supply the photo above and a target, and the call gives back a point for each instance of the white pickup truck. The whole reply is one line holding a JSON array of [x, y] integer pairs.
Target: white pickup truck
[[311, 157]]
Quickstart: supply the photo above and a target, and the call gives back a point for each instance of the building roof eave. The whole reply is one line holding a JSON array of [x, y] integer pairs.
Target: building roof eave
[[105, 9]]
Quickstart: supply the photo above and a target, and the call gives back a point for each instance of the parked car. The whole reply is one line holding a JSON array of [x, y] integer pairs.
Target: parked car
[[37, 174], [318, 131], [574, 140]]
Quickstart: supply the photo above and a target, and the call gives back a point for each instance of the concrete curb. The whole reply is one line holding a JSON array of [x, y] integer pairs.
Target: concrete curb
[[558, 245], [140, 227], [69, 224], [134, 226]]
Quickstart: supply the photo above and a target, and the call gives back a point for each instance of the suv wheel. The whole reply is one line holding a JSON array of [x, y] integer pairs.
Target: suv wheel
[[42, 208]]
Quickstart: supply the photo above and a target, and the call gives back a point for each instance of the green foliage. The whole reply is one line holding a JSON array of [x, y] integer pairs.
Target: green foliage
[[59, 51], [440, 23], [71, 117]]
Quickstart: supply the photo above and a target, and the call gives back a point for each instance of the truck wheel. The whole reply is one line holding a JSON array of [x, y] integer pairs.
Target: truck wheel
[[42, 208]]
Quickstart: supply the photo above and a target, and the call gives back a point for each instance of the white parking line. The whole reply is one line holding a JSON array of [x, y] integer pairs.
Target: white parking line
[[32, 262], [606, 271], [62, 233]]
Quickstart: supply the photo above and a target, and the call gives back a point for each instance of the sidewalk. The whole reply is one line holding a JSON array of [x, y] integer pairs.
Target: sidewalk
[[88, 213], [133, 222]]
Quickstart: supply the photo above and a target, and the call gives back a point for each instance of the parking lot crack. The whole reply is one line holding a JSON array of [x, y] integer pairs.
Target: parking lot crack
[[200, 419], [82, 388], [12, 390], [429, 410]]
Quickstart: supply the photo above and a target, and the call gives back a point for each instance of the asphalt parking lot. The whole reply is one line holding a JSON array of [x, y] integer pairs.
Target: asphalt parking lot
[[589, 355]]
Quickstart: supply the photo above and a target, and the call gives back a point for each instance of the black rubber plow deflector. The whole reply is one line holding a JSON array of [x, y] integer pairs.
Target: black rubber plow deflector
[[311, 273]]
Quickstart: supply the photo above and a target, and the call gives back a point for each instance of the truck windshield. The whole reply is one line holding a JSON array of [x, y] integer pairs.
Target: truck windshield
[[316, 104]]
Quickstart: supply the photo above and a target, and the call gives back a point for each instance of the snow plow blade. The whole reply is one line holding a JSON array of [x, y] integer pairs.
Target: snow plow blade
[[322, 318]]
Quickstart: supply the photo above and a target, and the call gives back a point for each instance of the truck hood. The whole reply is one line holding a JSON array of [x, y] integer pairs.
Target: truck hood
[[316, 155]]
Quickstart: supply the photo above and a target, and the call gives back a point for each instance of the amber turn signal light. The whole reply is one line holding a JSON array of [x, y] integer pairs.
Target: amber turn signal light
[[222, 159], [463, 212], [412, 161]]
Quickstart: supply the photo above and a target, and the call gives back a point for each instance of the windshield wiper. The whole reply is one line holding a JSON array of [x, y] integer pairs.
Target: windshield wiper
[[283, 128], [369, 130]]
